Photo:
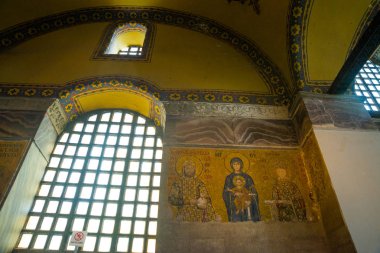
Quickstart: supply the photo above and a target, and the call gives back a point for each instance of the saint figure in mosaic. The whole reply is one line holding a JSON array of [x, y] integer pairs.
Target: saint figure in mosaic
[[289, 202], [240, 195], [189, 195]]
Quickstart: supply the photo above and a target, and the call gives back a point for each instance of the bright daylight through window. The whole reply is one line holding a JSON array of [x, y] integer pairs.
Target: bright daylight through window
[[103, 177], [127, 40], [367, 84]]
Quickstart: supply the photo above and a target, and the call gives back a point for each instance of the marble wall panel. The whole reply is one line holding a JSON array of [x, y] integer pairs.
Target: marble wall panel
[[264, 132], [230, 131], [347, 112], [19, 200], [301, 121], [57, 116], [19, 123], [45, 137], [202, 131], [25, 104]]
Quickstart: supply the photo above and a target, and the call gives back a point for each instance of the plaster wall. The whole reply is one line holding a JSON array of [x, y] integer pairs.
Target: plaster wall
[[352, 160]]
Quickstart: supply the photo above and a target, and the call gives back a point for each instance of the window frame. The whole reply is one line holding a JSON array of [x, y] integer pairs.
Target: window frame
[[364, 87], [108, 34], [121, 201]]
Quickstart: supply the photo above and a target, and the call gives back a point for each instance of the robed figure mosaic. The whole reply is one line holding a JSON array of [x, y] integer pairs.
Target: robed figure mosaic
[[239, 194], [189, 194], [288, 198]]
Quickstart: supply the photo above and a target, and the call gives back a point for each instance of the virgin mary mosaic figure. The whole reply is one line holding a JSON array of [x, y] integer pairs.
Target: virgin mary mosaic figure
[[240, 195]]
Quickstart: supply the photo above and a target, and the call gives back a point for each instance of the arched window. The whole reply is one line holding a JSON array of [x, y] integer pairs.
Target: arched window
[[103, 177], [130, 41], [367, 84]]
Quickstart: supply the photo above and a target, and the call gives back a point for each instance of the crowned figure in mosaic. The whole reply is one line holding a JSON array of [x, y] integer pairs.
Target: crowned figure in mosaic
[[289, 202], [240, 195], [190, 196]]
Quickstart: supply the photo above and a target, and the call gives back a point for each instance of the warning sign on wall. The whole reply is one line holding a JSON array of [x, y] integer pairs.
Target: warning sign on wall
[[78, 238]]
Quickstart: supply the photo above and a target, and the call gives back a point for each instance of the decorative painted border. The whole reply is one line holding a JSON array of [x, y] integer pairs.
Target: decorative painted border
[[267, 69], [106, 39], [230, 110], [211, 96], [298, 17], [68, 94]]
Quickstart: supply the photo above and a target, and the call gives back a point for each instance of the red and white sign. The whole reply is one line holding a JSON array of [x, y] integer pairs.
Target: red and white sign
[[78, 238]]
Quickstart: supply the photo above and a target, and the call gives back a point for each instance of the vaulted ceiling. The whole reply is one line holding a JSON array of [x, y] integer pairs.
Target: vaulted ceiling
[[199, 47]]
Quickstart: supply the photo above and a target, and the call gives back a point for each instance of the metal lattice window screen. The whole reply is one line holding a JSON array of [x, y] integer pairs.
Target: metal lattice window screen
[[367, 84], [103, 177], [131, 51]]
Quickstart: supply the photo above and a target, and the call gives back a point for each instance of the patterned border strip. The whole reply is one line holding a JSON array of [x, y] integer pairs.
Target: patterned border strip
[[298, 17], [14, 90], [204, 109], [68, 94], [57, 116], [267, 69]]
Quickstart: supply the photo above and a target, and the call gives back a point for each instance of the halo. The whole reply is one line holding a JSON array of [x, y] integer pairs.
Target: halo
[[238, 177], [227, 159], [183, 159]]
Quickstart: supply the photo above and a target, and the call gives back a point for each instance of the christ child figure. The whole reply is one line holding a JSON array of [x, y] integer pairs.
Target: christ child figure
[[242, 195]]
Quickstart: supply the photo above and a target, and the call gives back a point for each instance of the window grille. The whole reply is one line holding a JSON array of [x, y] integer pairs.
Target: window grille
[[132, 51], [103, 177], [367, 84]]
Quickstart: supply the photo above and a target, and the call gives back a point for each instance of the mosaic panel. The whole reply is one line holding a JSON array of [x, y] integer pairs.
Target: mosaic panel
[[19, 123], [324, 203], [237, 185]]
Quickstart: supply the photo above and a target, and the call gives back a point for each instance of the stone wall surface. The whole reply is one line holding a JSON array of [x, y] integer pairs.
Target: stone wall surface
[[246, 237]]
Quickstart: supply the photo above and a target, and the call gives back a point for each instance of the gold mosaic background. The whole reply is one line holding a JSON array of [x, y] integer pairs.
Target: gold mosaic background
[[324, 201], [262, 167]]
